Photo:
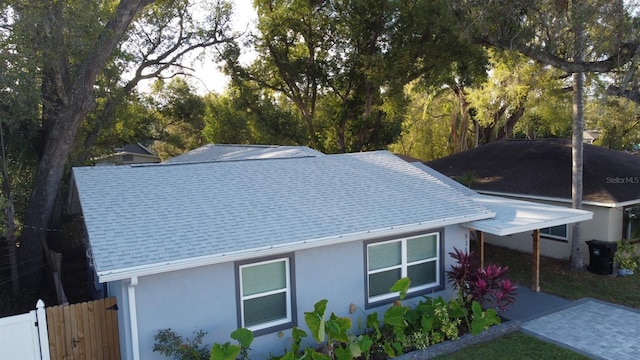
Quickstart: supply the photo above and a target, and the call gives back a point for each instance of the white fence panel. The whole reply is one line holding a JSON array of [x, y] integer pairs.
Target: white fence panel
[[20, 337]]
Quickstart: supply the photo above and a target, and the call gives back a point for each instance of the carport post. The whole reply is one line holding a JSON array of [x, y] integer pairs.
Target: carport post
[[536, 260]]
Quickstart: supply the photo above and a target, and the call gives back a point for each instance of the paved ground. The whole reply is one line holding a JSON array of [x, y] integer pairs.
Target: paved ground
[[590, 327]]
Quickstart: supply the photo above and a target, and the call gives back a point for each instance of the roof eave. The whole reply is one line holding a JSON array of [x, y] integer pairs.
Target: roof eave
[[563, 200], [500, 231], [182, 264]]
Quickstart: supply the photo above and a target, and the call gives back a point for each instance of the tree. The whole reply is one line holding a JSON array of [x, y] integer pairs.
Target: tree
[[178, 118], [577, 37], [77, 52], [345, 64], [69, 69], [246, 114], [158, 46], [18, 129], [426, 127]]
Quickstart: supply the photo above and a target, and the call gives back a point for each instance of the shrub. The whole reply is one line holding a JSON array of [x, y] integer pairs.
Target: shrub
[[625, 255], [169, 344], [484, 285]]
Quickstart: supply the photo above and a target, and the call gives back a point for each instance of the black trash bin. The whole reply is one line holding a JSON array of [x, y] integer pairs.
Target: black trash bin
[[601, 256]]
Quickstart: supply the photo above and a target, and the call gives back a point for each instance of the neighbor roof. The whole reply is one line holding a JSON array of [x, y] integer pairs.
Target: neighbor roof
[[512, 216], [149, 219], [227, 152], [542, 168]]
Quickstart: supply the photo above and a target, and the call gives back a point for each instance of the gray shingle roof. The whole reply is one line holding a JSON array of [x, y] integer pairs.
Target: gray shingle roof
[[224, 152], [142, 215]]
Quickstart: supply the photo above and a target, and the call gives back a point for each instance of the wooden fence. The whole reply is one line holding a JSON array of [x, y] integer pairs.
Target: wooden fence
[[86, 330]]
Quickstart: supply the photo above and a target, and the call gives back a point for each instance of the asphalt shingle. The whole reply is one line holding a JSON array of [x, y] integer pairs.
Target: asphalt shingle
[[141, 215]]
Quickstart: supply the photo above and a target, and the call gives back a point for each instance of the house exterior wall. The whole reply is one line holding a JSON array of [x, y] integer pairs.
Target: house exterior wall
[[204, 298], [606, 225]]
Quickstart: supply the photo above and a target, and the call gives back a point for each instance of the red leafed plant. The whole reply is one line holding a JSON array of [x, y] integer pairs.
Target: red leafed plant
[[484, 285]]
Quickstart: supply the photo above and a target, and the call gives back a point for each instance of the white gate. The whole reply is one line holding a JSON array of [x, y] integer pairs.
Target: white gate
[[24, 337]]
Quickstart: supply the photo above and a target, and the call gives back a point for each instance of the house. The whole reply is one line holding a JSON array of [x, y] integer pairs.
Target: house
[[590, 136], [218, 245], [129, 154], [540, 171]]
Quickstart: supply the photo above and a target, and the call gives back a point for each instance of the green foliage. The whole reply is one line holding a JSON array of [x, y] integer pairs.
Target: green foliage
[[626, 256], [169, 344], [404, 328], [226, 351], [344, 65], [482, 320]]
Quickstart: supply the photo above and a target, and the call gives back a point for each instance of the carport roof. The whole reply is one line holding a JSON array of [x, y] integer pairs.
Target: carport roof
[[516, 216]]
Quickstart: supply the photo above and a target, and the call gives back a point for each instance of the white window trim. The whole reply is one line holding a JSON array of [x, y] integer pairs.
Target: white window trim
[[286, 290], [564, 238], [404, 266]]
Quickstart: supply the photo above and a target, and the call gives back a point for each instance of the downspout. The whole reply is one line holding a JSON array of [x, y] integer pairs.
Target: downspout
[[133, 318]]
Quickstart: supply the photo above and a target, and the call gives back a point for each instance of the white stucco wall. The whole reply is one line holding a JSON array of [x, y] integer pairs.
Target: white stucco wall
[[204, 298]]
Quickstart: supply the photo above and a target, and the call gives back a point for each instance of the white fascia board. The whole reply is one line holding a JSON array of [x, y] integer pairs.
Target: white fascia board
[[563, 200], [485, 226], [181, 264]]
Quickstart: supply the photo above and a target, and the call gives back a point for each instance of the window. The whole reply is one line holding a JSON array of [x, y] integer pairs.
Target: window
[[417, 258], [632, 223], [555, 232], [265, 294]]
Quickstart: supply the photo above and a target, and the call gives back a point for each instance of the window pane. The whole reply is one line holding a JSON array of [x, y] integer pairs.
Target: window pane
[[381, 282], [422, 274], [264, 309], [264, 277], [422, 248], [559, 231], [385, 255]]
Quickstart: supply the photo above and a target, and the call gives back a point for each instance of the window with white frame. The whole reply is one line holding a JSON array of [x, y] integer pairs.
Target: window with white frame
[[265, 294], [416, 257], [556, 232]]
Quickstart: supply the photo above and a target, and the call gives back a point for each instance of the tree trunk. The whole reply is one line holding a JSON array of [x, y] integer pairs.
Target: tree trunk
[[9, 217], [76, 100], [12, 251], [577, 138]]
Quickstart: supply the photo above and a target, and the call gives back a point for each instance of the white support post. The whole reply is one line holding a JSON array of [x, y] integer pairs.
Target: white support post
[[133, 318], [41, 315]]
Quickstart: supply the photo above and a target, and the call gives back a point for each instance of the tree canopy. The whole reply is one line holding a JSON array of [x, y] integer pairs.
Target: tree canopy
[[421, 77]]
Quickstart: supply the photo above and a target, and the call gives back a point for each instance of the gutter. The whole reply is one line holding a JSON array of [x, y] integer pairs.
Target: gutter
[[181, 264], [563, 200]]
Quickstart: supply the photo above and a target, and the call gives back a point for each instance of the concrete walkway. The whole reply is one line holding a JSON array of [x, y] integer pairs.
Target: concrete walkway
[[594, 328]]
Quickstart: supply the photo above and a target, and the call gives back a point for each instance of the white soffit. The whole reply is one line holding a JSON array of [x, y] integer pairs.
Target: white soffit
[[517, 216]]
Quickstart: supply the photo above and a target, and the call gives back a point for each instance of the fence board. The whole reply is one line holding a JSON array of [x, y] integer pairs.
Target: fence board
[[55, 325], [80, 331], [84, 331]]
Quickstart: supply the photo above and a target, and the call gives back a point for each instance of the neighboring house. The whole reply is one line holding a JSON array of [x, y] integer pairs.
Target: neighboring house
[[589, 136], [255, 243], [128, 154], [540, 170]]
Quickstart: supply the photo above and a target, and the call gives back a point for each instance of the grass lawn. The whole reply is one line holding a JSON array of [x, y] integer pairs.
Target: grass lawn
[[556, 278], [514, 346]]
